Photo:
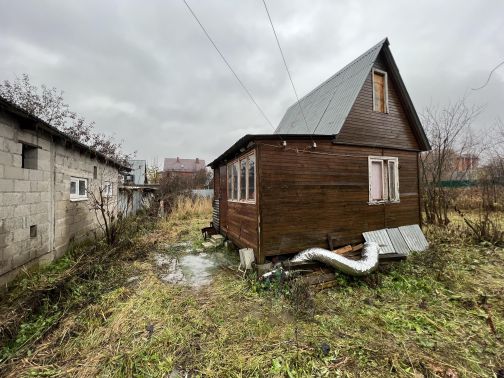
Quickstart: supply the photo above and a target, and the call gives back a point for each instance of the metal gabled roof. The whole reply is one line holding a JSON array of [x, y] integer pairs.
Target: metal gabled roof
[[327, 106]]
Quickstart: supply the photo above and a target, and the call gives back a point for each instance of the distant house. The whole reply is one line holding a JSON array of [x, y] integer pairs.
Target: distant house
[[341, 162], [138, 173], [183, 167], [45, 180]]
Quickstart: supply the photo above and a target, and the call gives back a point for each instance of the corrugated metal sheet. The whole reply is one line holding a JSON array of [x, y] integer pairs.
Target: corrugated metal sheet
[[400, 245], [414, 237], [381, 237], [327, 106], [402, 240]]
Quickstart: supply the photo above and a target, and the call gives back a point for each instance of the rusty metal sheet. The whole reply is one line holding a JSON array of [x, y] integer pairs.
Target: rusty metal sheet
[[381, 237], [400, 245], [414, 237]]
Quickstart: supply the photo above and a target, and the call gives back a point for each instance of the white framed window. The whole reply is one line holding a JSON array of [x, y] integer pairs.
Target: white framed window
[[383, 179], [78, 188], [241, 185], [108, 189], [380, 91]]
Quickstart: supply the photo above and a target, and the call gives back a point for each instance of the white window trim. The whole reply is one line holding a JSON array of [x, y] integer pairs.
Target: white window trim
[[385, 79], [385, 182], [75, 196], [237, 161]]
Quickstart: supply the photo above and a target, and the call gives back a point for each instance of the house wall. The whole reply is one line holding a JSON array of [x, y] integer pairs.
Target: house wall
[[41, 197], [237, 220], [364, 126], [306, 196]]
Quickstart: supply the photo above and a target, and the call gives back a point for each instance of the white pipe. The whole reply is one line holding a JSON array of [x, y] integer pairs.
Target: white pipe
[[362, 267]]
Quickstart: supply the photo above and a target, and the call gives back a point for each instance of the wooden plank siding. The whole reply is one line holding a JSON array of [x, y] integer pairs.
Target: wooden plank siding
[[364, 126], [305, 196], [238, 220]]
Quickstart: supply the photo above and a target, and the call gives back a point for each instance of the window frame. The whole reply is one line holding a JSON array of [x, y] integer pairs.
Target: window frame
[[230, 188], [385, 161], [76, 196], [385, 89]]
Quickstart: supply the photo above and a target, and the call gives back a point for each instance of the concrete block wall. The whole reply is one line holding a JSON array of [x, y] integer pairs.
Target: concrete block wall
[[41, 197]]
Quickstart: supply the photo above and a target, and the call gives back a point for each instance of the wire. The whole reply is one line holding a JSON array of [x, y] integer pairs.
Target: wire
[[489, 76], [286, 67], [229, 66]]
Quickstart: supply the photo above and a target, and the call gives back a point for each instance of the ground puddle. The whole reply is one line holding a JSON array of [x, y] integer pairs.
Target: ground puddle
[[193, 270]]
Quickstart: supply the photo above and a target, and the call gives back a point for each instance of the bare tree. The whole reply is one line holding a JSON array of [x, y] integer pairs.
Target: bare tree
[[449, 132], [49, 105], [103, 197]]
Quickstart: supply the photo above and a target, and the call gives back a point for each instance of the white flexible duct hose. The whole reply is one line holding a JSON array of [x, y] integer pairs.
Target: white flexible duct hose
[[365, 265]]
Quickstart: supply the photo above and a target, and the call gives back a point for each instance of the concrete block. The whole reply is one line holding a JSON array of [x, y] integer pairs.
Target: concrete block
[[21, 234], [20, 258], [32, 197], [17, 160], [22, 210], [12, 199], [21, 186], [1, 170], [43, 186], [7, 131], [13, 147], [36, 175], [13, 173], [6, 185], [5, 157], [6, 211]]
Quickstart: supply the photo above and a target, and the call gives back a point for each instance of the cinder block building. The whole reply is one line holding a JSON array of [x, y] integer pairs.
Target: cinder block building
[[45, 181]]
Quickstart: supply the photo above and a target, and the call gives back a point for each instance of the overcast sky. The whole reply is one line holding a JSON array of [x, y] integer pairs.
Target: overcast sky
[[145, 72]]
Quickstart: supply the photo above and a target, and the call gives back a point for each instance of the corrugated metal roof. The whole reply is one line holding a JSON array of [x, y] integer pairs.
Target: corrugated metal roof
[[381, 237], [400, 245], [327, 106], [414, 237]]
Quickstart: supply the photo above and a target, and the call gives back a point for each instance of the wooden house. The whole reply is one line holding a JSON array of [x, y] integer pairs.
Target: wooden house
[[344, 160]]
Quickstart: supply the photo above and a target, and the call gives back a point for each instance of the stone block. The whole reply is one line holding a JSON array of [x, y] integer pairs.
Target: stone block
[[5, 157], [20, 258], [21, 234], [6, 211], [22, 210], [17, 161]]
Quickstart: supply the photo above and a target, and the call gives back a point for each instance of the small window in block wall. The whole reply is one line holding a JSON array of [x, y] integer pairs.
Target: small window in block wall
[[29, 155], [33, 231], [95, 172]]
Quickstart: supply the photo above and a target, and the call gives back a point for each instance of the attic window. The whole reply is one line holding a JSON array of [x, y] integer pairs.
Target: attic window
[[380, 91]]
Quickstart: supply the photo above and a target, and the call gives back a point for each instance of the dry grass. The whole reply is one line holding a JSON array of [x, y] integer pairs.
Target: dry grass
[[431, 316]]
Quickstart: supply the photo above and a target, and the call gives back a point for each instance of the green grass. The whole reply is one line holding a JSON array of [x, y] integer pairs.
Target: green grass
[[429, 315]]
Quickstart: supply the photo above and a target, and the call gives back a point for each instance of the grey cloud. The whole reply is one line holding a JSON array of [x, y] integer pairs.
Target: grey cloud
[[145, 72]]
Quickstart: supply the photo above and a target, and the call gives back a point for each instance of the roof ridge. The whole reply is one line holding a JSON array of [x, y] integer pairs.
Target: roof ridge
[[360, 57]]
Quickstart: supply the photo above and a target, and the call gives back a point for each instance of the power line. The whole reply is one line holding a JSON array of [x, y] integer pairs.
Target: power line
[[286, 67], [227, 64], [489, 76]]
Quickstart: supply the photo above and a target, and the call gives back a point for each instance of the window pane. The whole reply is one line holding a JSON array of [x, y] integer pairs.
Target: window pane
[[243, 178], [229, 181], [73, 187], [82, 187], [235, 181], [376, 181], [251, 178], [392, 180], [379, 92]]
